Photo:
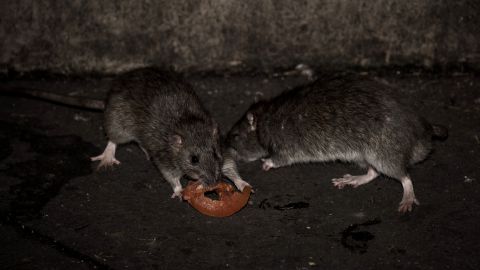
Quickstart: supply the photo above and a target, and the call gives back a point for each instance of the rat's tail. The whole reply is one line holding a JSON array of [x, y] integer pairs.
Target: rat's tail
[[81, 102]]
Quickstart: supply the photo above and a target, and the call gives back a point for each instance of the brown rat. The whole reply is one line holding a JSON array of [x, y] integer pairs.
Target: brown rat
[[344, 118], [161, 112]]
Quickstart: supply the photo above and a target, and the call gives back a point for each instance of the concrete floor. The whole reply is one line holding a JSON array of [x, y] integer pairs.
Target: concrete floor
[[58, 213]]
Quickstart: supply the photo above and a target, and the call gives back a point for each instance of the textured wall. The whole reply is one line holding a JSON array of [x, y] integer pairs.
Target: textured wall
[[112, 35]]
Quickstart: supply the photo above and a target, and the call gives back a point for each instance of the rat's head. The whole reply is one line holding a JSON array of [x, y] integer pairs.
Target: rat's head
[[197, 151], [242, 140]]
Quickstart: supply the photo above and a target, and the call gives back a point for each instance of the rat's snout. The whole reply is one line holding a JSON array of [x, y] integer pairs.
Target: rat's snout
[[208, 180], [211, 177]]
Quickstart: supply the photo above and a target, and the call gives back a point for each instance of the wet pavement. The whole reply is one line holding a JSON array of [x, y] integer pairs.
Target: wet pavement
[[57, 212]]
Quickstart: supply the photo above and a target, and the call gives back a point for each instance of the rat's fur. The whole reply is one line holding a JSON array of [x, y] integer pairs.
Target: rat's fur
[[345, 118]]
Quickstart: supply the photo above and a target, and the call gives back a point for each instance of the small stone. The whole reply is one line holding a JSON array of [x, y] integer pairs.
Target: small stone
[[78, 117], [468, 179]]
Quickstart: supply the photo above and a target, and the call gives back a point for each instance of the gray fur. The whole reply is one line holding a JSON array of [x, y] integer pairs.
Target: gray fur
[[345, 118]]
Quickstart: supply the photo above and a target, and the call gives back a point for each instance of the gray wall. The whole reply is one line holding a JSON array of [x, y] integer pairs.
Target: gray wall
[[111, 35]]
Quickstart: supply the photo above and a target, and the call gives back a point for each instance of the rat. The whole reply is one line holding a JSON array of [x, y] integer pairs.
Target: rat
[[346, 118], [160, 112]]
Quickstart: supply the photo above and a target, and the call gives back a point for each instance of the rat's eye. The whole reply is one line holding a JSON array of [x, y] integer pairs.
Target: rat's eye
[[194, 159]]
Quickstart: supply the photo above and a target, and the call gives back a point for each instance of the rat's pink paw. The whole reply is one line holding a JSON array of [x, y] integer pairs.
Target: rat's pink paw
[[107, 158], [406, 205], [177, 192], [106, 161], [350, 180], [267, 164], [241, 184]]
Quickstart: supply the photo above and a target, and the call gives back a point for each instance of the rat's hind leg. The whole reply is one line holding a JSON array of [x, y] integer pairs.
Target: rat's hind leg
[[408, 198], [107, 158], [355, 180], [395, 167], [117, 133]]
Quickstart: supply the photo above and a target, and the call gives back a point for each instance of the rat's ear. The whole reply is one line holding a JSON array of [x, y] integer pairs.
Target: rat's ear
[[252, 122], [176, 141]]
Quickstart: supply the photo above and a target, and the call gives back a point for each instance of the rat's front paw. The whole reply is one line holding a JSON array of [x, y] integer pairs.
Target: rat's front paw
[[177, 192], [267, 164], [240, 184]]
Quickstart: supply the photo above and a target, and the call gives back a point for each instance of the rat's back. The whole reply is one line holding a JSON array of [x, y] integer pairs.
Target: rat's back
[[149, 100], [340, 118], [161, 91]]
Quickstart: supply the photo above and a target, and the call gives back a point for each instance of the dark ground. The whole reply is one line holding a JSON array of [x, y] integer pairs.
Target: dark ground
[[58, 213]]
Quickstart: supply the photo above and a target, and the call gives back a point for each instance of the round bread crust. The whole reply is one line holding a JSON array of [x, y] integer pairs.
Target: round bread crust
[[229, 202]]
